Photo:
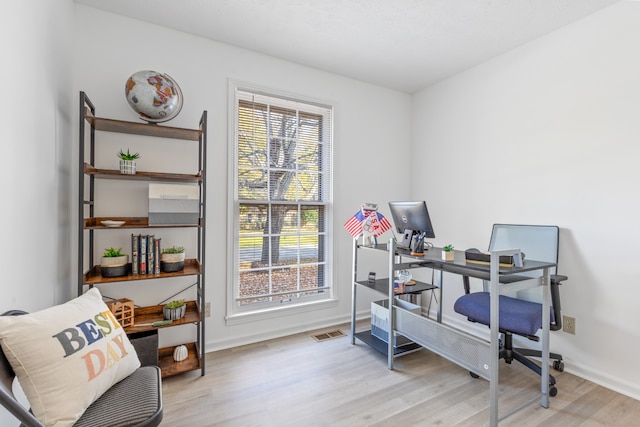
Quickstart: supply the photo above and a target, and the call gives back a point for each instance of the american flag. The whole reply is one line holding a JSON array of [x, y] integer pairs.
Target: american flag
[[370, 222]]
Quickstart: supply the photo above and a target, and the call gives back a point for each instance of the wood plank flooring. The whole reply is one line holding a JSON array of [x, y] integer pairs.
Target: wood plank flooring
[[298, 381]]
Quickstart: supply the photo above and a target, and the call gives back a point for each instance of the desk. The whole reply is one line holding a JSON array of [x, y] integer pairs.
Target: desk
[[467, 350]]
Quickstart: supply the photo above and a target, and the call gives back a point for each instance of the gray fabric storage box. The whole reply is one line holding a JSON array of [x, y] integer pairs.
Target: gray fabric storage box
[[174, 204], [146, 345]]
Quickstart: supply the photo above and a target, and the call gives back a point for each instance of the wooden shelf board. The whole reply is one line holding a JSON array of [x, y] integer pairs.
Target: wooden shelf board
[[170, 367], [93, 276], [403, 344], [130, 222], [382, 286], [147, 129], [145, 316], [142, 175]]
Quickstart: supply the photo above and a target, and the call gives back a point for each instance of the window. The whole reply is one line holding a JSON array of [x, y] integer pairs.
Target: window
[[281, 200]]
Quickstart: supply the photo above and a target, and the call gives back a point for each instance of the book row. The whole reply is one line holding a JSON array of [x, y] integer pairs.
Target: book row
[[145, 254]]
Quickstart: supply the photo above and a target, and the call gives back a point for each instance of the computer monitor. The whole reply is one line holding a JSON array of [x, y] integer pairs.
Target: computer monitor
[[413, 221]]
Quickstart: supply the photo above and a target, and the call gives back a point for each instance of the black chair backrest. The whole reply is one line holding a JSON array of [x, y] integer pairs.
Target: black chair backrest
[[538, 242]]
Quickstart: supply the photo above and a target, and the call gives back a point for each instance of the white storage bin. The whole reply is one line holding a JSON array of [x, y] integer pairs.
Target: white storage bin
[[174, 204], [380, 316]]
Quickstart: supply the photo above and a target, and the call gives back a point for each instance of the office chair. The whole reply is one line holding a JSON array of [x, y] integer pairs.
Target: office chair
[[134, 401], [518, 313]]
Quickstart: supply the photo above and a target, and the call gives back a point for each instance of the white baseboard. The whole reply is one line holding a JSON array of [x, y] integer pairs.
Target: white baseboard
[[237, 341], [616, 384]]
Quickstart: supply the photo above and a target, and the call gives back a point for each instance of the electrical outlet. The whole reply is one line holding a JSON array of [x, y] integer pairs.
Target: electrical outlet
[[207, 309], [569, 324]]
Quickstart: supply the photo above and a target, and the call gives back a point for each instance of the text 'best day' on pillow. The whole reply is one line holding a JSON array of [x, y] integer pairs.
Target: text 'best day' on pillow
[[67, 356]]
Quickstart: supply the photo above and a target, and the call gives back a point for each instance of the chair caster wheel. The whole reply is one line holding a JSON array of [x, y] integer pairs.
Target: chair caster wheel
[[558, 366], [553, 391], [474, 375]]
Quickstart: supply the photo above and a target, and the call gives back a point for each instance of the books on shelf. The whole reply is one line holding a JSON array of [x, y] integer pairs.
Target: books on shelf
[[156, 256], [145, 254], [142, 268], [135, 260], [475, 256], [150, 260]]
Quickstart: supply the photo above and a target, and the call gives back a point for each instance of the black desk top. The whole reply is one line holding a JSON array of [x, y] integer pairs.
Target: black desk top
[[433, 259]]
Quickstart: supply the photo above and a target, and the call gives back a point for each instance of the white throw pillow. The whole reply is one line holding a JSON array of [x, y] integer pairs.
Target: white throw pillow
[[67, 356]]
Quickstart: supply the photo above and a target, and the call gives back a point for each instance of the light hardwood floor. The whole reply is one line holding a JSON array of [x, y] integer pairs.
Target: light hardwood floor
[[297, 381]]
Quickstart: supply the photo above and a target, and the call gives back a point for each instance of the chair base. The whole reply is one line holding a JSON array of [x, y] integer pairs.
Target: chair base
[[509, 353], [558, 364]]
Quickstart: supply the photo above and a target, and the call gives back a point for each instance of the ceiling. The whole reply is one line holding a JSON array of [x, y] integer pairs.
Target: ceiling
[[404, 45]]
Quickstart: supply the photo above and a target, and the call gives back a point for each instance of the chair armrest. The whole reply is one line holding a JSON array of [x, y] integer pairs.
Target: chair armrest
[[557, 278], [466, 284]]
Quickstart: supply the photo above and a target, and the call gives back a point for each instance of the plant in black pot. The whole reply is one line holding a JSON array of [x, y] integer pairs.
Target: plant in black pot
[[174, 310], [114, 263], [172, 259]]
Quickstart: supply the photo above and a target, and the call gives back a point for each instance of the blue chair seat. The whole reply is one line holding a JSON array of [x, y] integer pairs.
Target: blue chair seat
[[517, 316]]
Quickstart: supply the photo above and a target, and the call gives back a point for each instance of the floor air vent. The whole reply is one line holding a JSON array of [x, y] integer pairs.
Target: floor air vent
[[328, 335]]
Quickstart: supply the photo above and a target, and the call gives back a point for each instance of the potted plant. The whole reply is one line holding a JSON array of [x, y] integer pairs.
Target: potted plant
[[174, 310], [172, 259], [447, 253], [128, 162], [114, 263]]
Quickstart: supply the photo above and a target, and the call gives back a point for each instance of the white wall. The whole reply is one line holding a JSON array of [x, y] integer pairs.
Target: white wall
[[35, 132], [548, 134], [36, 143], [372, 132]]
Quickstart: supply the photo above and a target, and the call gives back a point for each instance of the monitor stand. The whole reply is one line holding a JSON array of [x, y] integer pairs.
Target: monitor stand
[[407, 239]]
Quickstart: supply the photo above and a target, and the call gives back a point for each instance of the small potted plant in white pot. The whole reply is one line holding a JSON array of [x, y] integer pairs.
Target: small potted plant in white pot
[[447, 253], [128, 162], [174, 310], [114, 263], [172, 259]]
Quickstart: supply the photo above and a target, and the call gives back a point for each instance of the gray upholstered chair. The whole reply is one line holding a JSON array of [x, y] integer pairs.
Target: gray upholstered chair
[[134, 401]]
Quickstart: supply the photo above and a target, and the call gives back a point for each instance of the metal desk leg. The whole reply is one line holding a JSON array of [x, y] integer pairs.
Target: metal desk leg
[[494, 325], [392, 323], [353, 291], [546, 322], [438, 283]]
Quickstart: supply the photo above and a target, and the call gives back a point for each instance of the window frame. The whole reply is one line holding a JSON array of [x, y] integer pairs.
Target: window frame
[[236, 313]]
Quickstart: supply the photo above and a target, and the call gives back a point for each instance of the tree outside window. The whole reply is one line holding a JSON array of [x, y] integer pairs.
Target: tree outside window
[[282, 200]]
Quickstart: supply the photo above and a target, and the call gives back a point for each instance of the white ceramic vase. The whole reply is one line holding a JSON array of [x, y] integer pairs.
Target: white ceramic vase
[[180, 353]]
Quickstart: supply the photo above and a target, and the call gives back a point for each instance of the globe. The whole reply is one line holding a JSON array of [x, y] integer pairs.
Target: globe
[[156, 97]]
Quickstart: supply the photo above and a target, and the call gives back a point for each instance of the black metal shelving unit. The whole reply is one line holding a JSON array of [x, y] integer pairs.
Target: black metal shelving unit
[[88, 224], [401, 344]]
